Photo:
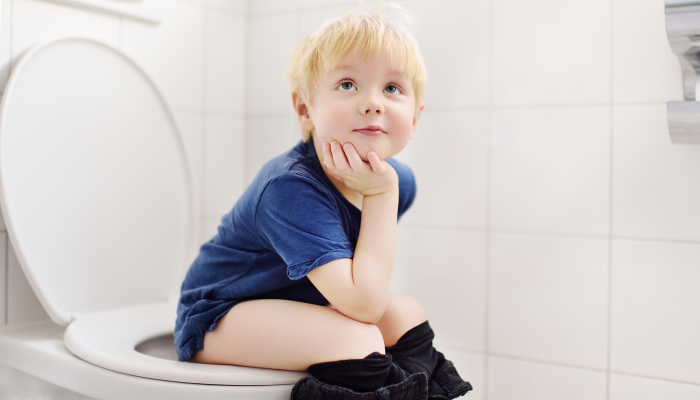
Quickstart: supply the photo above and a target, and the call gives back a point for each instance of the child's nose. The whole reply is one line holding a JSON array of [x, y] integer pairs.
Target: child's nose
[[371, 106]]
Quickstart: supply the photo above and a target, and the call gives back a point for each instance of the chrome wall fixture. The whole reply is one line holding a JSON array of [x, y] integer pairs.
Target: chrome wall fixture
[[683, 27]]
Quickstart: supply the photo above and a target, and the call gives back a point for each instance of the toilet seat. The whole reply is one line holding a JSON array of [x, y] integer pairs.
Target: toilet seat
[[98, 201], [98, 337]]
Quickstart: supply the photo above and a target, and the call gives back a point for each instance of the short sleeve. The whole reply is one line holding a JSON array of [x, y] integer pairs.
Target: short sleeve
[[298, 218], [407, 186]]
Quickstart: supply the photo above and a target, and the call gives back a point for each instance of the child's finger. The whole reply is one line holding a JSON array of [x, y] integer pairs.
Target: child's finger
[[339, 156], [354, 158], [327, 156], [376, 163]]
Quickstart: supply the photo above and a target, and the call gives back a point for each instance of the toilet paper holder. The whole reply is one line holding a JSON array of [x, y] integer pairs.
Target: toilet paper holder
[[683, 28]]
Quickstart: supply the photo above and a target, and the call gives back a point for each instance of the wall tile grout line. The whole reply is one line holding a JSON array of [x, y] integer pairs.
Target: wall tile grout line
[[610, 199], [246, 89], [492, 231], [487, 239], [201, 186], [558, 364]]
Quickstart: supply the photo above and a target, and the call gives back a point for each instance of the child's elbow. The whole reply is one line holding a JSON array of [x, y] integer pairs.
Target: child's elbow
[[371, 313]]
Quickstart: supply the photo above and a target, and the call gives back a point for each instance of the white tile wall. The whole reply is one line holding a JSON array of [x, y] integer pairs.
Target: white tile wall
[[655, 185], [624, 387], [455, 44], [268, 137], [223, 164], [34, 21], [209, 229], [654, 309], [322, 3], [191, 126], [172, 52], [445, 272], [550, 170], [551, 52], [272, 40], [457, 184], [235, 7], [510, 379], [272, 6], [470, 367], [644, 67], [548, 299], [225, 63]]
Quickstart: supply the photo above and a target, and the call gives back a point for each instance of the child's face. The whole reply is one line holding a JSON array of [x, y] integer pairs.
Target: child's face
[[370, 104]]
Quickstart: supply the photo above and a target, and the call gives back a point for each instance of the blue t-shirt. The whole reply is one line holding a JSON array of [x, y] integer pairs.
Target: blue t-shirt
[[290, 220]]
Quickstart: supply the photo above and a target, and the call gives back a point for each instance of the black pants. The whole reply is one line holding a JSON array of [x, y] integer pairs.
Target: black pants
[[412, 354]]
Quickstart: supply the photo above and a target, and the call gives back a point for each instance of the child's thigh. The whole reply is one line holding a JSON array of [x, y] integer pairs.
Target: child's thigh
[[282, 334]]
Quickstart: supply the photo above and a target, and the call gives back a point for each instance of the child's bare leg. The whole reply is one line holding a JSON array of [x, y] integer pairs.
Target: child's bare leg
[[282, 334], [402, 313]]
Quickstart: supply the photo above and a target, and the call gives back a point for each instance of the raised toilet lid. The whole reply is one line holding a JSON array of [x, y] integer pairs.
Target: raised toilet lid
[[98, 202]]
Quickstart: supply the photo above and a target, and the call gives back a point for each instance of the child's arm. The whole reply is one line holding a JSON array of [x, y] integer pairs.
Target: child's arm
[[359, 287]]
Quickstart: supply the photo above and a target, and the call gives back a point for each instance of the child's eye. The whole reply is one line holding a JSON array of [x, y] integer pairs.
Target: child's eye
[[392, 89], [347, 86]]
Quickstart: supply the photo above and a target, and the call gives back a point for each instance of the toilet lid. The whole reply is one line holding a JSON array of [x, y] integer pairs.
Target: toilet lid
[[94, 183]]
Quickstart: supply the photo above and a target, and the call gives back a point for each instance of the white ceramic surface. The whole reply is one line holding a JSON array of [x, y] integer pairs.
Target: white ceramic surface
[[104, 157], [35, 21], [38, 350], [108, 339], [3, 279]]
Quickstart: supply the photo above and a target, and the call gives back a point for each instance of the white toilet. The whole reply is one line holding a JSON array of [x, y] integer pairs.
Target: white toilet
[[98, 202]]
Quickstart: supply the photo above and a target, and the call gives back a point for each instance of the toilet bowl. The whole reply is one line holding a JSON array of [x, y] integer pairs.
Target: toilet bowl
[[99, 205]]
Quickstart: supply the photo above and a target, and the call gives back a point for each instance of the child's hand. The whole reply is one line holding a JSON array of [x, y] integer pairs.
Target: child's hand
[[367, 178]]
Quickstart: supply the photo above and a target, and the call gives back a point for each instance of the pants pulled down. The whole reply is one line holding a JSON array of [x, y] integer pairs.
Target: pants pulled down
[[410, 370]]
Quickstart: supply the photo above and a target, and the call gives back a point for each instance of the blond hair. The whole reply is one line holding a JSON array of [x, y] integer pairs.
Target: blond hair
[[386, 30]]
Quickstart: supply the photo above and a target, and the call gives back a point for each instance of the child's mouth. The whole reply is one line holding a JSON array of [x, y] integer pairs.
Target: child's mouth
[[371, 130]]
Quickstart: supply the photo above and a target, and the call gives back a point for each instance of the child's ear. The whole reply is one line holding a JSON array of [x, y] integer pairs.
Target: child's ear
[[416, 117], [302, 111]]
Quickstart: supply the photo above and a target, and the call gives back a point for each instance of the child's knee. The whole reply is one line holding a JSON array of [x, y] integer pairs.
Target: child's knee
[[405, 308]]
